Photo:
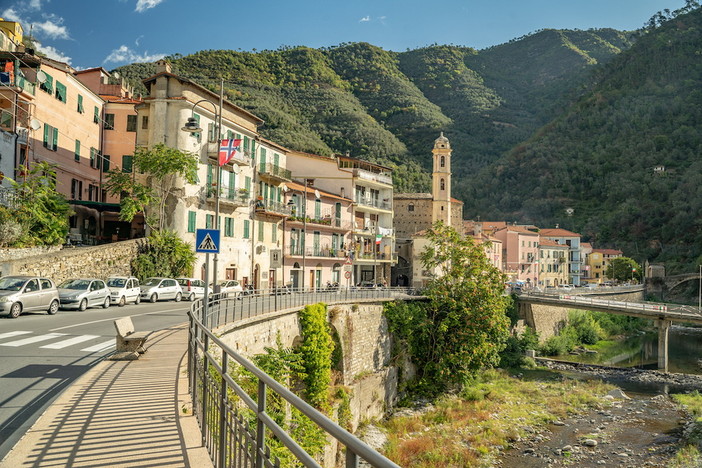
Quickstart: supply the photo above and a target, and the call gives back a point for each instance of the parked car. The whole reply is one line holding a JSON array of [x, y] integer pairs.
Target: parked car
[[81, 293], [192, 288], [26, 294], [155, 289], [231, 288], [124, 289]]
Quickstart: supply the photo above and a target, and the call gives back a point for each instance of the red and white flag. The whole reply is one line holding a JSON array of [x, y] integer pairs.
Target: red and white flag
[[228, 149]]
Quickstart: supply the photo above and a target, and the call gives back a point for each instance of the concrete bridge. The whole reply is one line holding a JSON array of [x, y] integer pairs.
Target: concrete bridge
[[663, 314]]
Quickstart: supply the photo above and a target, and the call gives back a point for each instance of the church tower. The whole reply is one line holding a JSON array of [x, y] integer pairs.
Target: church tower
[[441, 181]]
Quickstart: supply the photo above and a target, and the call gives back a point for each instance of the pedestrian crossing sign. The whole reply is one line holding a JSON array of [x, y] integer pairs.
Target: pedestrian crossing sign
[[207, 240]]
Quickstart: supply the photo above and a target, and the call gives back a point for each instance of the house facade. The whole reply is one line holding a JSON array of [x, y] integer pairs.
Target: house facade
[[553, 263], [520, 254], [572, 240], [598, 261]]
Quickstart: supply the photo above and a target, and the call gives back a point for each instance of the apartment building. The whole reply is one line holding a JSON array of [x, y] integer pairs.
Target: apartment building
[[520, 254], [598, 261], [572, 240], [553, 263]]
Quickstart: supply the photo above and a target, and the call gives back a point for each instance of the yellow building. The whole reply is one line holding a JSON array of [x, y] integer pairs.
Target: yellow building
[[553, 263], [597, 263]]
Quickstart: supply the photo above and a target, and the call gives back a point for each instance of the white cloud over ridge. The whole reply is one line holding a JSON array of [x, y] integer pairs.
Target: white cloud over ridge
[[52, 53], [52, 27], [124, 54], [143, 5]]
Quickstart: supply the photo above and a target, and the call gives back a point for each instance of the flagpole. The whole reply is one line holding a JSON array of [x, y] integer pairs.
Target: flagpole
[[218, 136]]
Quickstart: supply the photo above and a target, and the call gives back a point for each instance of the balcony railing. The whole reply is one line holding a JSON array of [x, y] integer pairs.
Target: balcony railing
[[323, 252], [372, 202], [274, 171], [372, 176], [228, 195], [333, 222], [274, 207], [18, 82]]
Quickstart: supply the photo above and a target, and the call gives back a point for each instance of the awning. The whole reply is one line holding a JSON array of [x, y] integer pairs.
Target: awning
[[99, 206]]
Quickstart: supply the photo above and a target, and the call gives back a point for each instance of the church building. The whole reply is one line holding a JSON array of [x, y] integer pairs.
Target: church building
[[415, 213]]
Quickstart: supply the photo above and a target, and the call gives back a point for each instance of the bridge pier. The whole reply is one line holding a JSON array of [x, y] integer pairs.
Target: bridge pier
[[663, 328]]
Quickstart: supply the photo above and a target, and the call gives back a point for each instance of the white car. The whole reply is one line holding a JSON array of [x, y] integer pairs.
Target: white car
[[230, 288], [160, 289], [192, 288], [124, 289]]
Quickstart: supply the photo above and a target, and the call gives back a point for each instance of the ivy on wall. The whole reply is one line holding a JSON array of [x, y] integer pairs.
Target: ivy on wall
[[316, 351]]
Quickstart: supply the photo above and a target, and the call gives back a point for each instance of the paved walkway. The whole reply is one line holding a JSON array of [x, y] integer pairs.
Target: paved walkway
[[121, 414]]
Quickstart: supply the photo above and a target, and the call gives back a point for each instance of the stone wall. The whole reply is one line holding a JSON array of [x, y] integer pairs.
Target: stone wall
[[7, 254], [100, 262], [366, 348]]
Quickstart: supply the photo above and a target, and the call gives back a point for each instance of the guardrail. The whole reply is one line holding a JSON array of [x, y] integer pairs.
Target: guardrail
[[238, 426]]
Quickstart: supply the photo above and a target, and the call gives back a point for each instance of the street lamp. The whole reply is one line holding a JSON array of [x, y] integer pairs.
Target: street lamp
[[192, 126]]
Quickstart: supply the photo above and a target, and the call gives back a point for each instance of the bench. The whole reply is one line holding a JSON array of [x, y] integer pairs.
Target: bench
[[129, 343]]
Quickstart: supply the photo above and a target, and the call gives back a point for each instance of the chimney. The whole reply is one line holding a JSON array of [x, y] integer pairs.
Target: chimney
[[163, 66]]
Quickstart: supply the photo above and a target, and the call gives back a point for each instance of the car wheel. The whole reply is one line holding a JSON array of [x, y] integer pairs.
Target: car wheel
[[106, 304], [15, 310], [191, 297], [83, 304], [178, 297], [122, 301], [53, 307], [138, 300], [153, 297]]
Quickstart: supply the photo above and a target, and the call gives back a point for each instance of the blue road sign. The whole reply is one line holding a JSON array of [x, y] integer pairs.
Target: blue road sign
[[207, 240]]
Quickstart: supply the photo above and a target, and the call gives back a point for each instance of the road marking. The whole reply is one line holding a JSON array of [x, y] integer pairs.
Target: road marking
[[100, 347], [113, 318], [35, 339], [70, 342], [14, 333]]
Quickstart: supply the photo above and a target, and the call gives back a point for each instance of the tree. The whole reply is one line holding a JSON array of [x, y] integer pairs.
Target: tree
[[162, 167], [163, 254], [624, 269], [463, 326]]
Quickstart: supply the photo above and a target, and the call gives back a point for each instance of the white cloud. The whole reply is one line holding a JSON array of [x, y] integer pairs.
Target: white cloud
[[124, 54], [11, 15], [34, 4], [143, 5], [52, 53], [136, 41], [52, 27], [365, 19]]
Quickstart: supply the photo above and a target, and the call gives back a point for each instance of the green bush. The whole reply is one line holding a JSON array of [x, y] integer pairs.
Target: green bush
[[587, 328], [560, 344], [513, 354], [316, 351], [163, 254]]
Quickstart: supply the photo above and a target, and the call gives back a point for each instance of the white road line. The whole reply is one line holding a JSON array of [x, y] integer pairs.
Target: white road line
[[101, 346], [70, 342], [14, 333], [34, 339], [113, 319]]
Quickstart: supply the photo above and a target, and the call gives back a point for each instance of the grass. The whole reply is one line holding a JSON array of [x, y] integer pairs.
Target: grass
[[689, 455], [493, 411]]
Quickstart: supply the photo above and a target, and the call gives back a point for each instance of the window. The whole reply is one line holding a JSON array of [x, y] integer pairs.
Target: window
[[96, 115], [209, 221], [127, 163], [50, 137], [274, 232], [94, 158], [145, 122], [261, 226], [443, 184], [211, 136], [443, 161], [246, 229], [192, 221], [318, 209], [76, 155], [228, 227], [410, 207], [60, 92], [109, 123], [76, 189], [131, 123], [48, 85], [80, 108], [92, 192], [105, 162]]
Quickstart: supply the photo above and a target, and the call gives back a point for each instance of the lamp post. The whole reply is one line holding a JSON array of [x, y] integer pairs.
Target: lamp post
[[192, 126]]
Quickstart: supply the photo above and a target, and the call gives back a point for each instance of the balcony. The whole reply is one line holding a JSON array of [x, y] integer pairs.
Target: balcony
[[371, 229], [24, 86], [334, 223], [272, 208], [370, 257], [320, 252], [372, 176], [370, 202], [233, 197], [273, 172]]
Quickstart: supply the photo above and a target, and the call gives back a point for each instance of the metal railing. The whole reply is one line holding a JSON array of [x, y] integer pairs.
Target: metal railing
[[238, 427]]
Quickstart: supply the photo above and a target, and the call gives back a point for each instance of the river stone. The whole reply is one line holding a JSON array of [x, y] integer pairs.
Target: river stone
[[590, 443], [567, 448], [558, 423], [529, 451], [618, 393]]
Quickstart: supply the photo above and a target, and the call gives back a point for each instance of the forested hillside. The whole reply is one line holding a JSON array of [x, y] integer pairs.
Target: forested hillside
[[389, 107], [625, 157]]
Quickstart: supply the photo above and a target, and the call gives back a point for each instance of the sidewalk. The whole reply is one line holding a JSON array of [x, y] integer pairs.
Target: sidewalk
[[121, 414]]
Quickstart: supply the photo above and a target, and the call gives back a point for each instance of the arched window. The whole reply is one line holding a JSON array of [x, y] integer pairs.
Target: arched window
[[443, 184], [443, 161]]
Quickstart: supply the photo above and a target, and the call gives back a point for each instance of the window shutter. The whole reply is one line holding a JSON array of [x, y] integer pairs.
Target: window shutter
[[61, 92], [80, 104], [192, 217], [54, 145], [77, 152], [96, 115], [210, 177], [106, 163], [246, 229], [127, 163], [46, 135], [248, 183]]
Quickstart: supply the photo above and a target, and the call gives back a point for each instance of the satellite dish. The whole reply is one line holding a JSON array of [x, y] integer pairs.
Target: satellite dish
[[35, 124], [41, 77], [317, 195]]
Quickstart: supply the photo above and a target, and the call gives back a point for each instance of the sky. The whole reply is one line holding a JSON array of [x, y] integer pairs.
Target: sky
[[111, 33]]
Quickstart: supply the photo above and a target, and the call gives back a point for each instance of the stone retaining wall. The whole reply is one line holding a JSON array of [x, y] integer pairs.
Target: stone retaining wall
[[73, 262]]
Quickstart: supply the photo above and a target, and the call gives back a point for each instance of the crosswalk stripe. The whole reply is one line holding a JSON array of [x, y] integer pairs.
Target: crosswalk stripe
[[101, 346], [14, 333], [34, 339], [70, 341]]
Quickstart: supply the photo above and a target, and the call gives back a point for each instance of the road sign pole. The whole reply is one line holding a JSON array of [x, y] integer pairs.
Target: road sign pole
[[206, 299]]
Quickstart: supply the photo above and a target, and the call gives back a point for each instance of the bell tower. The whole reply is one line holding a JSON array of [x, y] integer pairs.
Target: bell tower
[[441, 181]]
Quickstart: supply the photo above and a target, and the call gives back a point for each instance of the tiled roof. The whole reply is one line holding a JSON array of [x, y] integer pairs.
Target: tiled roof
[[608, 251], [520, 230], [546, 242], [558, 233], [310, 191]]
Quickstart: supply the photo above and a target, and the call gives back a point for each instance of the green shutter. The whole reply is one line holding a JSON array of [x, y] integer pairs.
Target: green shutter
[[246, 229], [127, 161], [80, 104], [192, 219], [197, 119], [105, 163], [232, 182], [318, 209], [247, 183], [261, 226], [54, 146], [46, 135], [230, 134], [210, 180], [77, 152], [48, 85], [61, 92], [96, 115], [274, 232], [246, 143], [209, 220], [276, 160]]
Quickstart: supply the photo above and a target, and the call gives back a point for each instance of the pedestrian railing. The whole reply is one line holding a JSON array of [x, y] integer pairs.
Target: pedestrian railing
[[231, 395]]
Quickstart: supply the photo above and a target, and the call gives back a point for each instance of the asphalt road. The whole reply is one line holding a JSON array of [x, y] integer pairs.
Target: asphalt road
[[42, 354]]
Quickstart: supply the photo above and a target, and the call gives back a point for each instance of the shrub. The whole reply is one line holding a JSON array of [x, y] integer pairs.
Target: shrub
[[163, 254]]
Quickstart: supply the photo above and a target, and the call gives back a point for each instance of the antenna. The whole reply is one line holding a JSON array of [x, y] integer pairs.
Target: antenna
[[41, 76], [35, 124]]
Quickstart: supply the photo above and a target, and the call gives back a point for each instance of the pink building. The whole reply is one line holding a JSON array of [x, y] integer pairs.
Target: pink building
[[520, 254]]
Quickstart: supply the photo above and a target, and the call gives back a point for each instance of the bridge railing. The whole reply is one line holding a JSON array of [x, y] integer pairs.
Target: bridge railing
[[239, 428]]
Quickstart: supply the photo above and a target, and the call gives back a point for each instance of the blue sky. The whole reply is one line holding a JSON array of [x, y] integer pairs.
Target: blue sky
[[110, 33]]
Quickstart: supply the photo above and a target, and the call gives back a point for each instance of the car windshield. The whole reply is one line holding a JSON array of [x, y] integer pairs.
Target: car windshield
[[183, 281], [12, 284], [116, 282], [152, 281], [75, 284]]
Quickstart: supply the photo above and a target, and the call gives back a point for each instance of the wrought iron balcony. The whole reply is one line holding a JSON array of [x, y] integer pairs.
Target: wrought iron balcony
[[237, 197], [274, 172], [263, 206]]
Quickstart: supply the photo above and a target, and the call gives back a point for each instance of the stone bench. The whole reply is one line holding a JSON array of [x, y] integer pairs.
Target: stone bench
[[129, 344]]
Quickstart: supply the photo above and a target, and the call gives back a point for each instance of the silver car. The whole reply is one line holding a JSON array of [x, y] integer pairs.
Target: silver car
[[154, 289], [20, 294], [82, 293]]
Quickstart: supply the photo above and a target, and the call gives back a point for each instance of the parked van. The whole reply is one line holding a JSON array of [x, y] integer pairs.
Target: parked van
[[124, 289]]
